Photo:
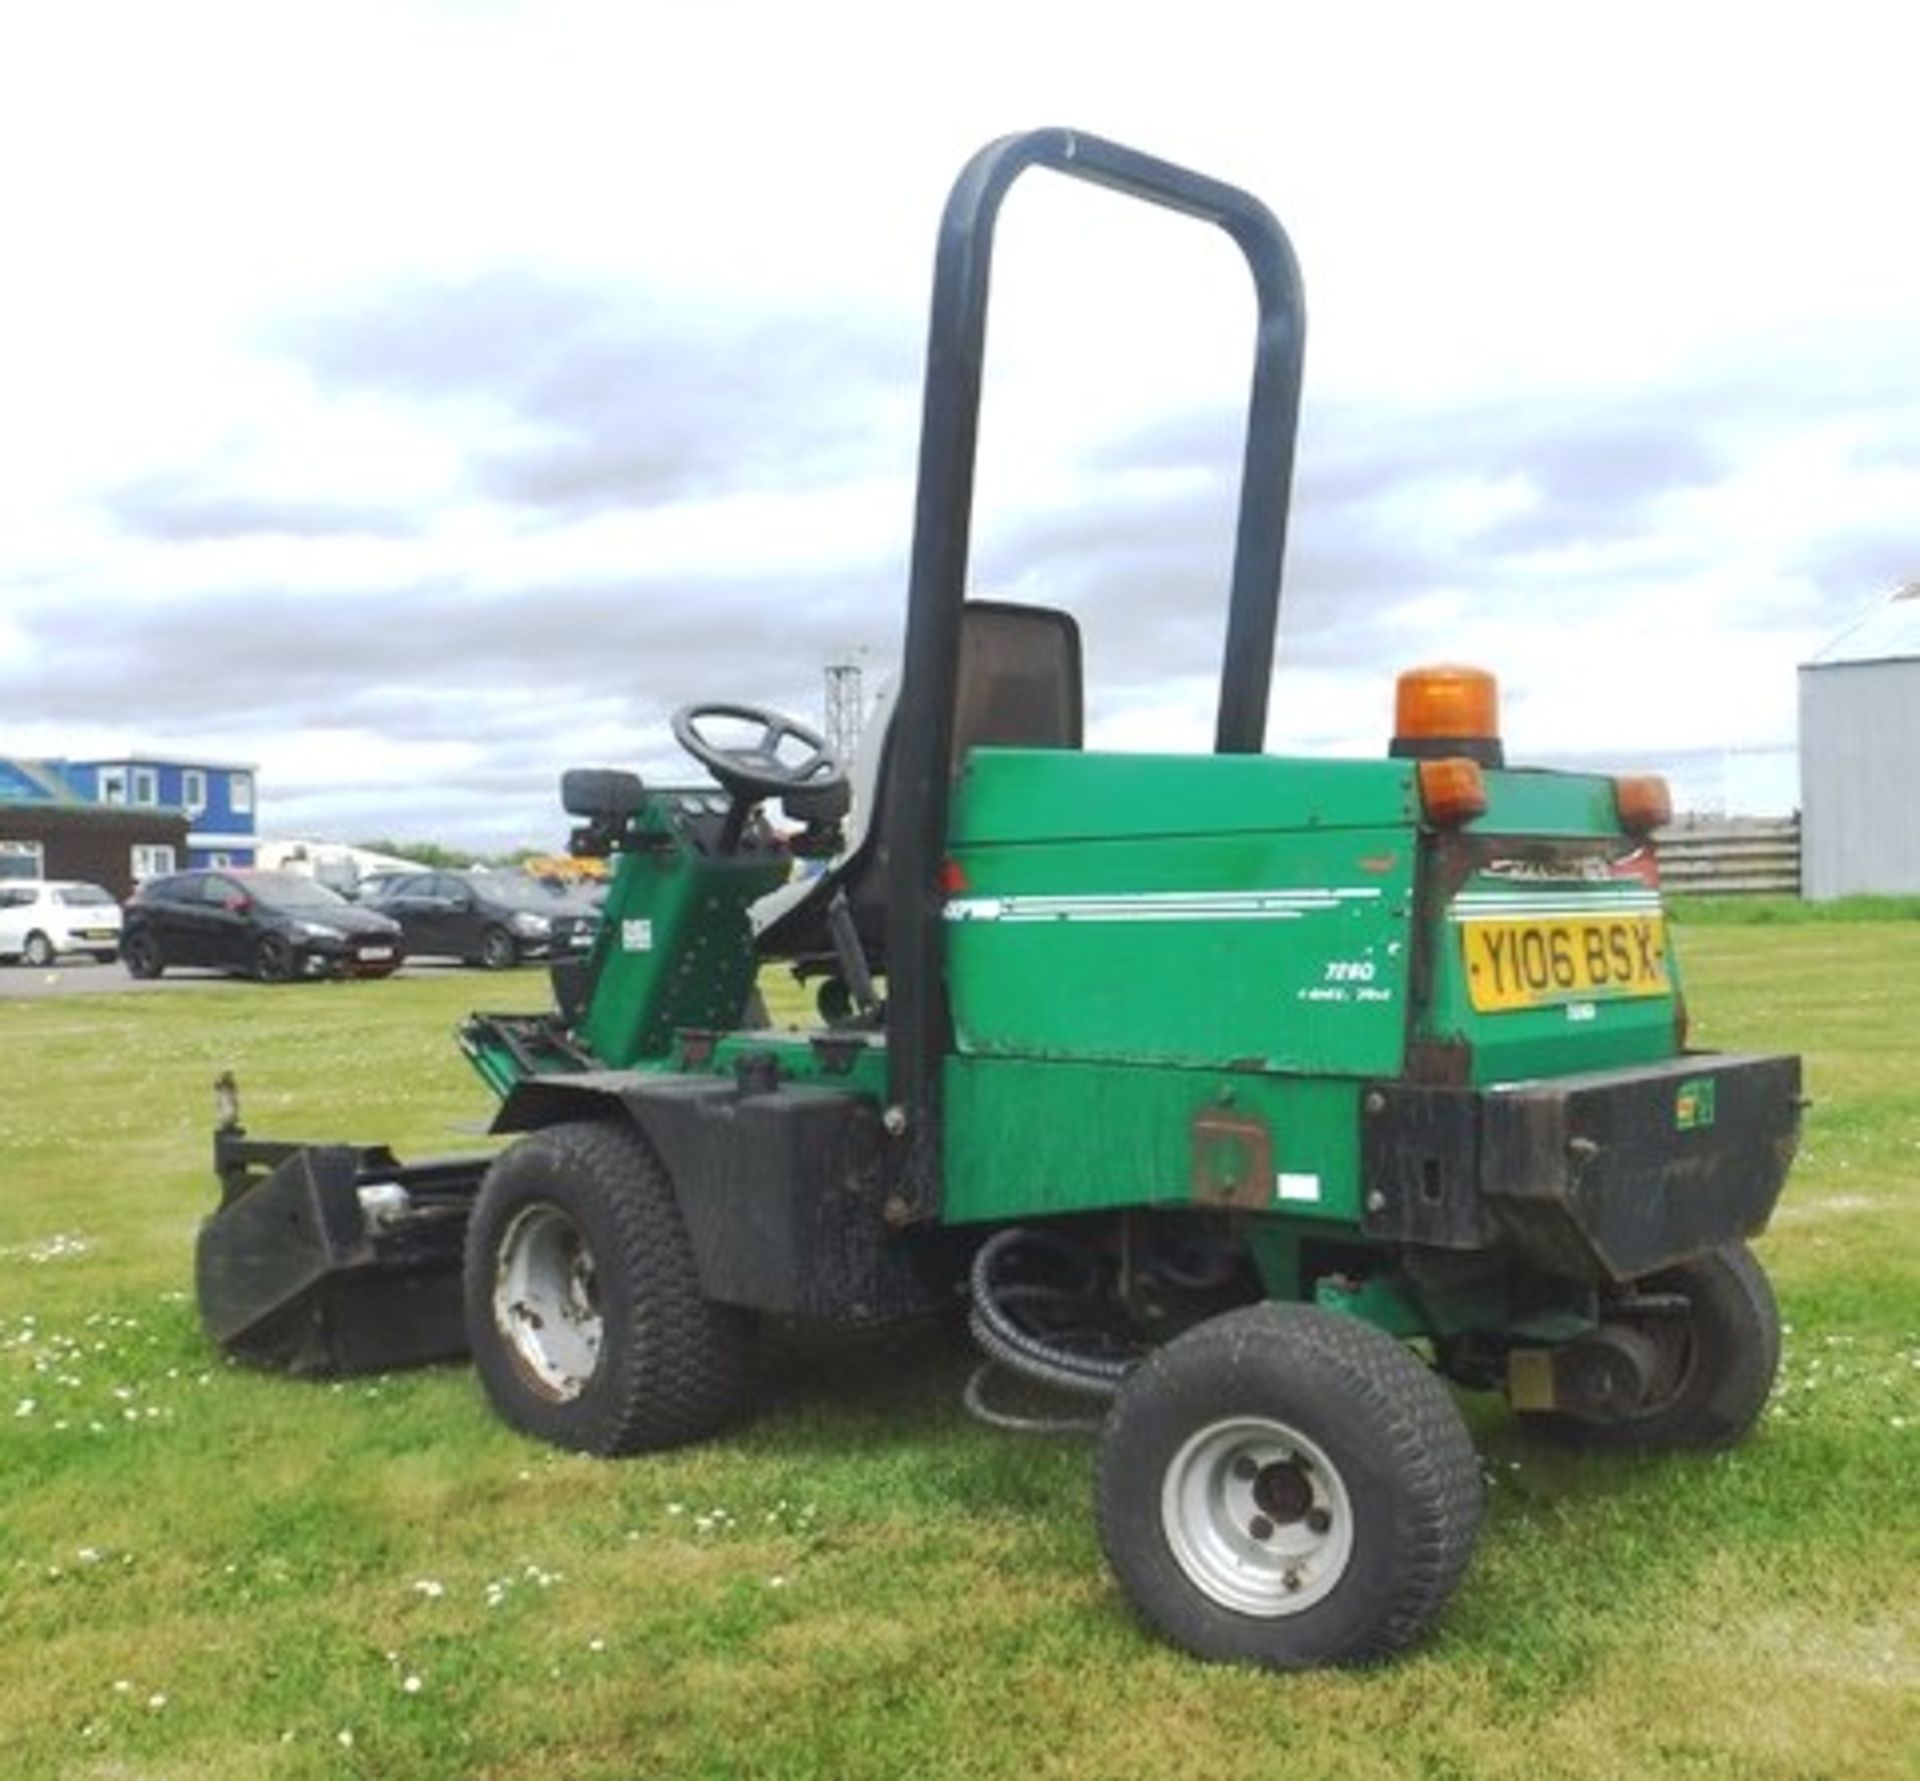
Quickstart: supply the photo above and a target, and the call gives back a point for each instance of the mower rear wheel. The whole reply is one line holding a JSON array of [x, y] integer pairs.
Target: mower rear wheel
[[1720, 1361], [583, 1305], [1287, 1487]]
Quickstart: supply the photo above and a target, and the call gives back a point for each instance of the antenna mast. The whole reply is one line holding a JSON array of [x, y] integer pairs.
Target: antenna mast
[[845, 709]]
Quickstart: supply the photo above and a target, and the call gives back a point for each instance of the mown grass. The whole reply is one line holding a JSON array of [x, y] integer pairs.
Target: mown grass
[[205, 1572], [1767, 911]]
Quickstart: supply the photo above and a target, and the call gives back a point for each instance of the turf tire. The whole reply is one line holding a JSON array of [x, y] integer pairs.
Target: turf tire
[[673, 1366], [1730, 1353], [1408, 1480]]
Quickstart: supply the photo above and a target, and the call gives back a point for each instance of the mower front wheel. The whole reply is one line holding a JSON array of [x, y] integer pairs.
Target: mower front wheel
[[583, 1304], [1287, 1487]]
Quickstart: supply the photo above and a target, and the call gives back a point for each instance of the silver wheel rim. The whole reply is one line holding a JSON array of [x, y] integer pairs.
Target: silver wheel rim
[[546, 1302], [1257, 1517]]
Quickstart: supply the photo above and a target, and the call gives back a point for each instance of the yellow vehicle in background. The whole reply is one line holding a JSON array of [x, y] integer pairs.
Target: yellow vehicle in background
[[560, 868]]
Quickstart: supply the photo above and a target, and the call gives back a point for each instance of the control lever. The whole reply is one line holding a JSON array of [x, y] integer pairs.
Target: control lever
[[851, 954]]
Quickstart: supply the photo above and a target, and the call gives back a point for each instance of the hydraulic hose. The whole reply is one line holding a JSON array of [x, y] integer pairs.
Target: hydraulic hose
[[1064, 1358]]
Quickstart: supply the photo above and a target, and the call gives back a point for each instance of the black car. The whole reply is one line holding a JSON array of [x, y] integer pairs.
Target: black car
[[270, 925], [494, 919]]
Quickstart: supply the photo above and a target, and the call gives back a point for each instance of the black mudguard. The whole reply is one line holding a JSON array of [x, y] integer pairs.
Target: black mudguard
[[783, 1187]]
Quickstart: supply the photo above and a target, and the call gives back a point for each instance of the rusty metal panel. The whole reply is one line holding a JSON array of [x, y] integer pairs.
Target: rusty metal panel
[[1232, 1160]]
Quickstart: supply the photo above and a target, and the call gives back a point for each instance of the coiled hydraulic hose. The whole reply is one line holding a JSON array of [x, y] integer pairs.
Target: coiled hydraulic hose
[[1052, 1333]]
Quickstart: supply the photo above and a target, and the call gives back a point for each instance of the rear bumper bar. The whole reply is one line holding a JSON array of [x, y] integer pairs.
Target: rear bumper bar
[[1611, 1175]]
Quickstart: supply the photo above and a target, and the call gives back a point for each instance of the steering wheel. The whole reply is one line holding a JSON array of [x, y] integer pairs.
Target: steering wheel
[[755, 769]]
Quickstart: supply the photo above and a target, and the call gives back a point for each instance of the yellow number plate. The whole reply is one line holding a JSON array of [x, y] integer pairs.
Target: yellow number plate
[[1529, 964]]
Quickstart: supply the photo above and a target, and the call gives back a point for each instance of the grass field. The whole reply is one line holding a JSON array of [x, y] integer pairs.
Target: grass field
[[210, 1573]]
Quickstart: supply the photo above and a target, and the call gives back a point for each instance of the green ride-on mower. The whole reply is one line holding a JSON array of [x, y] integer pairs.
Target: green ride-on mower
[[1250, 1101]]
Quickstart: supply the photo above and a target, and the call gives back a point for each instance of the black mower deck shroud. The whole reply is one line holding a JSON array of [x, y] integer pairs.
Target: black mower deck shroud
[[327, 1259]]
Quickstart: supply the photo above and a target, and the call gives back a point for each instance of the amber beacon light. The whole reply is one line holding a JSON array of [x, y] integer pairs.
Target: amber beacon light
[[1440, 712]]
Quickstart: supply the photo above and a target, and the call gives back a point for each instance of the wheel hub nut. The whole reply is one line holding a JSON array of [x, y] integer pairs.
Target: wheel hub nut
[[1283, 1491]]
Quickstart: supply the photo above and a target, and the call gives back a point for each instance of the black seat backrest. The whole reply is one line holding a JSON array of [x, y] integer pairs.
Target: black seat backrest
[[1019, 685], [1019, 679]]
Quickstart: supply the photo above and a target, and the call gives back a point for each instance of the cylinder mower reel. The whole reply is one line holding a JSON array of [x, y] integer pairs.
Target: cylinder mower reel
[[1252, 1106]]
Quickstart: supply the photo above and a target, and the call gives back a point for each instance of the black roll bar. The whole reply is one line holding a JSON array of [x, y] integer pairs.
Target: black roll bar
[[943, 515]]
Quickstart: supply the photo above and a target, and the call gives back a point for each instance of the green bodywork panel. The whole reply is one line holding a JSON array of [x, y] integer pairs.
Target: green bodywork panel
[[1236, 912], [1402, 1307], [1021, 796], [502, 1067], [1552, 806], [1028, 1138], [1276, 952], [674, 949]]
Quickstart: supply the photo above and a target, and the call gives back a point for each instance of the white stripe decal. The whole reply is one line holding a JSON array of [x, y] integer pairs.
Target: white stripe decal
[[1467, 908], [1120, 906], [1638, 894]]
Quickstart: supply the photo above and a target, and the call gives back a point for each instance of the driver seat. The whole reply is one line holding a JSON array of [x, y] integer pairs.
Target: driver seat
[[1019, 685]]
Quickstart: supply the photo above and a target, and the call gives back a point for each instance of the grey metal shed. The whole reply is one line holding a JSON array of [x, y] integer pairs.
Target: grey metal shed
[[1860, 755]]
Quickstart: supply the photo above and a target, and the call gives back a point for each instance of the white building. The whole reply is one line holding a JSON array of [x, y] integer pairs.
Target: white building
[[334, 863], [1860, 755]]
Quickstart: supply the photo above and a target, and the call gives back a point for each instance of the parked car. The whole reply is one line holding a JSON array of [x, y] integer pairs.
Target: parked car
[[494, 919], [370, 884], [41, 918], [270, 925]]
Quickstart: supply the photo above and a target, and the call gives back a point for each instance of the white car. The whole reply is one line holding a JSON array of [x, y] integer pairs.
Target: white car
[[40, 918]]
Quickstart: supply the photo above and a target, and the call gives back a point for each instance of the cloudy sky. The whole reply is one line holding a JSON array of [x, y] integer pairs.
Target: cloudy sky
[[417, 399]]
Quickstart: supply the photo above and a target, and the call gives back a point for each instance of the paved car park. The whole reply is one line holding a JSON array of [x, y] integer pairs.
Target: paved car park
[[80, 977], [77, 977]]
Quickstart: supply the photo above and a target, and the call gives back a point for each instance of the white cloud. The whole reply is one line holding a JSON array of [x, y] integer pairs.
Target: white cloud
[[1609, 368]]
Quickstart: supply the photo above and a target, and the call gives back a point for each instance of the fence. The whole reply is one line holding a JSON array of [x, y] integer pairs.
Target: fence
[[1710, 856]]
